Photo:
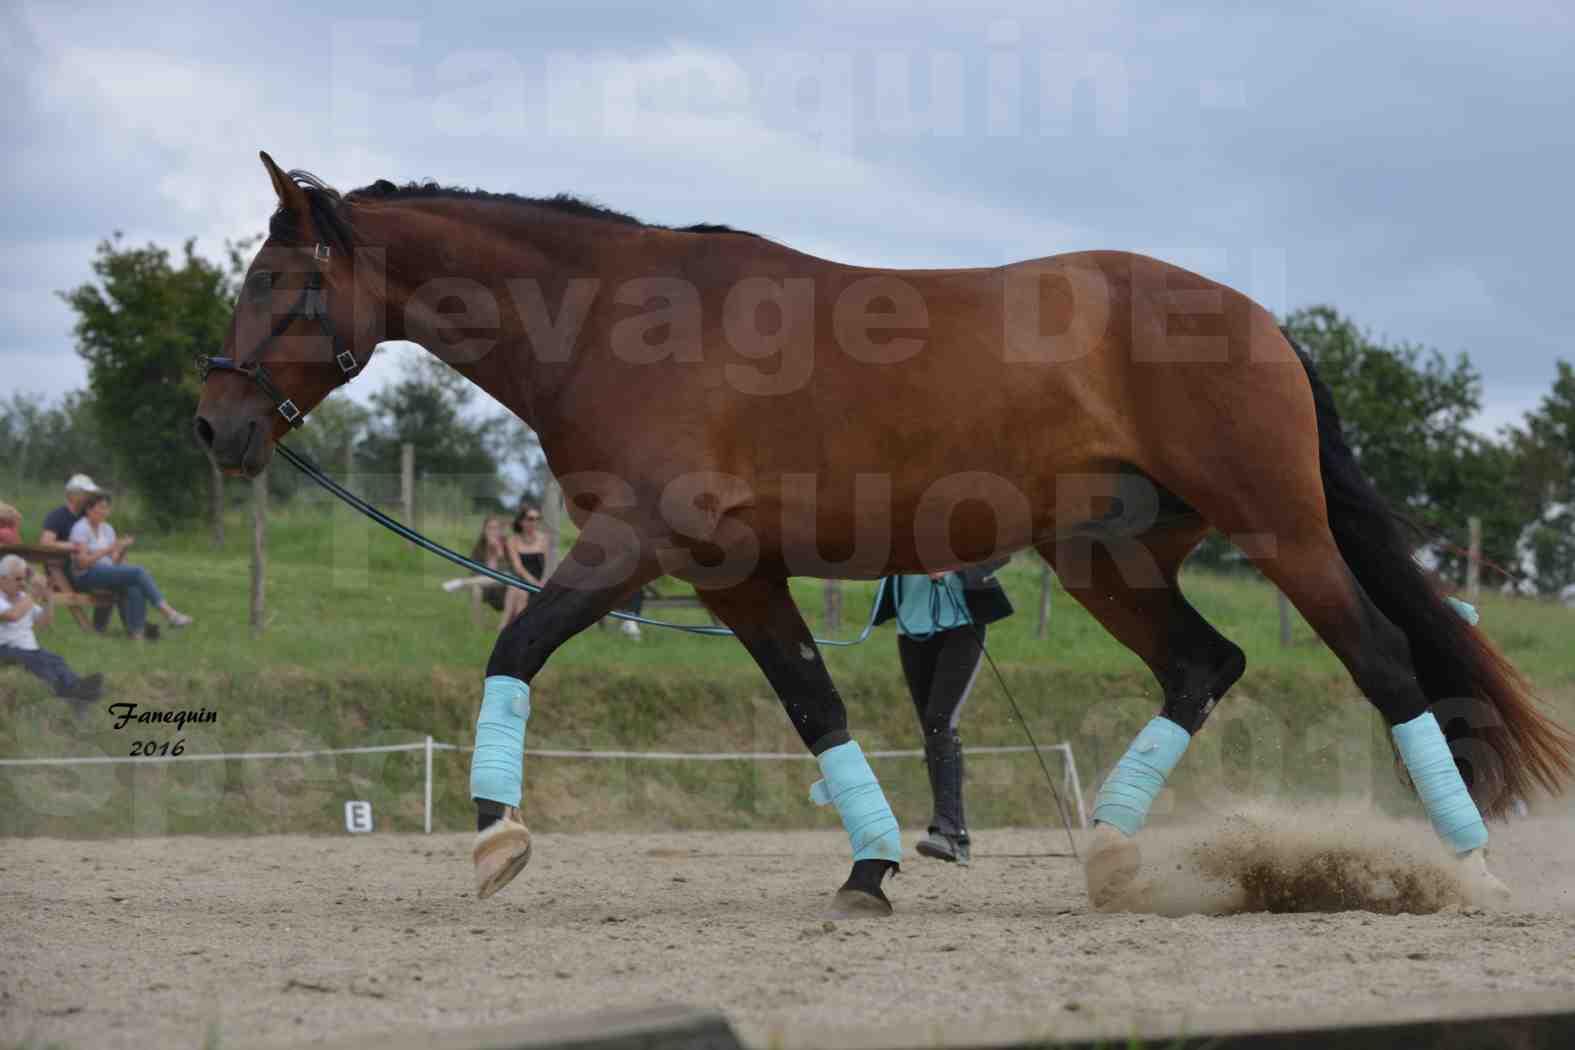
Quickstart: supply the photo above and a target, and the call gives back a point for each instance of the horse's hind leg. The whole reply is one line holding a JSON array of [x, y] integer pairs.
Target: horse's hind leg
[[762, 613], [1129, 585], [1277, 495], [1309, 568]]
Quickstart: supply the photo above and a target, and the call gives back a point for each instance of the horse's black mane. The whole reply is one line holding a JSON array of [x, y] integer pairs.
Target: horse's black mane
[[328, 212]]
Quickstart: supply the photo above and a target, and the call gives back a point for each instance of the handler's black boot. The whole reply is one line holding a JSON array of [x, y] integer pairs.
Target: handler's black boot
[[948, 832]]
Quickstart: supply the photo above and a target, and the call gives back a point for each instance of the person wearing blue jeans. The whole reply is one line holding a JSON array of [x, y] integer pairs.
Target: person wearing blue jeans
[[100, 567], [56, 533], [24, 605]]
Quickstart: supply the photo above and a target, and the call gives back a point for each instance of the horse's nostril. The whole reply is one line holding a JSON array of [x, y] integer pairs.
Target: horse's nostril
[[204, 432]]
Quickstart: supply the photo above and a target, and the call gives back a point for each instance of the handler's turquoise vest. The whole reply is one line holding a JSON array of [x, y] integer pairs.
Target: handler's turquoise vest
[[926, 606]]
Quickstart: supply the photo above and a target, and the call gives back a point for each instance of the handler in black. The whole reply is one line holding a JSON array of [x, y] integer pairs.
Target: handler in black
[[941, 623]]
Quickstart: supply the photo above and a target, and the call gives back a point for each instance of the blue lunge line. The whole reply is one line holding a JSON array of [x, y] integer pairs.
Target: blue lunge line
[[312, 471], [497, 769], [851, 786], [1444, 795], [1127, 794]]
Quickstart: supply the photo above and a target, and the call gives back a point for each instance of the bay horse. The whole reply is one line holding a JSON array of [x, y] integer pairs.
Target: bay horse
[[729, 411]]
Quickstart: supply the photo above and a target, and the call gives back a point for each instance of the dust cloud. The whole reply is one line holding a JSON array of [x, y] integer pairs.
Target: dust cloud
[[1311, 858]]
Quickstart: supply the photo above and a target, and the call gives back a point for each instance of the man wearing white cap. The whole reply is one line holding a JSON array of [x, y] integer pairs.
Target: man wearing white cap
[[57, 531]]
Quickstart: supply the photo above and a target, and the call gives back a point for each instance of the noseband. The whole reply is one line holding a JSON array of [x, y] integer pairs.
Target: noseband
[[311, 304]]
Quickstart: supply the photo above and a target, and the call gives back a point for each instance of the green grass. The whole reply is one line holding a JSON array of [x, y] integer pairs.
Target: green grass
[[346, 595], [362, 647]]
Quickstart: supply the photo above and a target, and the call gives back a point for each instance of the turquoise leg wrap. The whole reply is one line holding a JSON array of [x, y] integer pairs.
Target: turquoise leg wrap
[[1444, 795], [1467, 611], [850, 784], [497, 769], [1126, 795]]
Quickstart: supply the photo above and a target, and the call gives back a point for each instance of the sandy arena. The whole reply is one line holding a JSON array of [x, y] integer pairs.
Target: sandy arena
[[284, 941]]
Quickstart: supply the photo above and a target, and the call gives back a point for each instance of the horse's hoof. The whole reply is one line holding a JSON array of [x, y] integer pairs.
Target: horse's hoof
[[1110, 869], [858, 904], [1482, 886], [501, 852], [939, 846]]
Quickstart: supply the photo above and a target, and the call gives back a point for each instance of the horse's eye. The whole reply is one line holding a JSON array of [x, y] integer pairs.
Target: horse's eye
[[259, 285]]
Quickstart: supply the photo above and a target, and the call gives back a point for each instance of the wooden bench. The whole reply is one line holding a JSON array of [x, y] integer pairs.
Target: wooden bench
[[61, 592]]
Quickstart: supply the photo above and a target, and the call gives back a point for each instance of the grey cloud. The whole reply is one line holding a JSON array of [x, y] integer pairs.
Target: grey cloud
[[1407, 166]]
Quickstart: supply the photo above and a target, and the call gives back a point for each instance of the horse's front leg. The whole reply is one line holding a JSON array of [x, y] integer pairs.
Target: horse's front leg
[[600, 570], [762, 613]]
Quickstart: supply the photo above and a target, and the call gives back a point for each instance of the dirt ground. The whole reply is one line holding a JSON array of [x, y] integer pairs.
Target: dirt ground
[[280, 941]]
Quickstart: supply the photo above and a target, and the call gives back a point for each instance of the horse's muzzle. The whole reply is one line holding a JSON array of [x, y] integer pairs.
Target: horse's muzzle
[[239, 447]]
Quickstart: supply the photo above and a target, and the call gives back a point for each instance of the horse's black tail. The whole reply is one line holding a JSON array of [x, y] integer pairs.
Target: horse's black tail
[[1501, 739]]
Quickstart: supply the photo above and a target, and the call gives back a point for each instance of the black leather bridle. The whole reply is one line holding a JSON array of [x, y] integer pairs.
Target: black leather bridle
[[311, 304]]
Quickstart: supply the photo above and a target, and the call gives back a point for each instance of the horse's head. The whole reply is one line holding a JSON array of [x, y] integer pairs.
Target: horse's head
[[292, 339]]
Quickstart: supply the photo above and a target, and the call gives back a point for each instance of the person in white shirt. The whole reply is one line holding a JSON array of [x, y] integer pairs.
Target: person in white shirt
[[99, 566], [56, 533], [24, 604]]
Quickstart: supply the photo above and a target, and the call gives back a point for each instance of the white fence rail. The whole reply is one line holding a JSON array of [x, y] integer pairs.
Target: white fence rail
[[1070, 779]]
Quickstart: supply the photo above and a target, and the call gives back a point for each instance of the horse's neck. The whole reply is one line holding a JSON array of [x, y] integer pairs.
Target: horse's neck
[[459, 243]]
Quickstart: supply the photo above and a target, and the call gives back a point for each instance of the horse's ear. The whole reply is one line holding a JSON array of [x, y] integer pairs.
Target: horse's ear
[[291, 196]]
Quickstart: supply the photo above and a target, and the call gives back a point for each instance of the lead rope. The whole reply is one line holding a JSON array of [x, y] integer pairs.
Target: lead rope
[[962, 612], [312, 471], [1050, 780]]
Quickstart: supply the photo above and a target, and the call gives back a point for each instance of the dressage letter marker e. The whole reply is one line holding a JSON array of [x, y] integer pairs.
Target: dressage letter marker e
[[358, 817]]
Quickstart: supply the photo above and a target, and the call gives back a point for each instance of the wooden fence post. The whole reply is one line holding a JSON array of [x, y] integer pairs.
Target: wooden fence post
[[1044, 599], [407, 480], [259, 548], [833, 600], [1474, 562], [216, 500]]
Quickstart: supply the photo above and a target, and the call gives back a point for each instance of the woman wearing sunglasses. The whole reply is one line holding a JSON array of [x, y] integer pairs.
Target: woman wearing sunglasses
[[527, 551]]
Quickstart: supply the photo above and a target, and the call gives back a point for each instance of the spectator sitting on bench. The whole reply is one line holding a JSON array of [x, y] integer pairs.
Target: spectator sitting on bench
[[491, 550], [99, 567], [57, 534], [527, 551], [24, 604], [10, 524]]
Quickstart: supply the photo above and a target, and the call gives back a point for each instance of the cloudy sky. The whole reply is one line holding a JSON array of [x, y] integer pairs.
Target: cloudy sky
[[1411, 166]]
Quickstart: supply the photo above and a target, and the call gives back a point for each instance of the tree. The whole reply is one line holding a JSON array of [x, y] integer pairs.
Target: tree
[[1548, 441], [139, 329], [426, 409], [518, 449], [40, 442], [1404, 408], [1546, 485], [1482, 482], [1404, 411]]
